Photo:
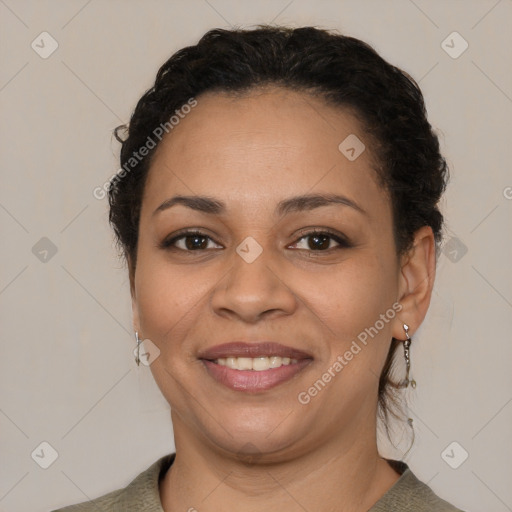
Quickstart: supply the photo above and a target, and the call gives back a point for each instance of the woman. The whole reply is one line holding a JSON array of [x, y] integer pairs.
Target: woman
[[277, 209]]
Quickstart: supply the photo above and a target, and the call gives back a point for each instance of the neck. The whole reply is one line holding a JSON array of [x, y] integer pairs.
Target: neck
[[346, 475]]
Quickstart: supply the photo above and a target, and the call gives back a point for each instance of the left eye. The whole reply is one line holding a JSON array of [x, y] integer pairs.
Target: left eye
[[321, 241]]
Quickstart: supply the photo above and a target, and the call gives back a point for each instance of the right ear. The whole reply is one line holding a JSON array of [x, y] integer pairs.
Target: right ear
[[135, 308], [135, 315]]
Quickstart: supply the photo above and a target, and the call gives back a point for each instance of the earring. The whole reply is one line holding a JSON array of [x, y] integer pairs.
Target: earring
[[411, 426], [407, 343], [139, 341]]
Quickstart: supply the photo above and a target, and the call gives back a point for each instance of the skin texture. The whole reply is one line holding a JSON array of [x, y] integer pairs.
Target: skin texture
[[251, 152]]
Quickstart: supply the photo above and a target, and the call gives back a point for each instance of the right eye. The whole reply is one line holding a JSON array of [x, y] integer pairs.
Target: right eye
[[191, 241]]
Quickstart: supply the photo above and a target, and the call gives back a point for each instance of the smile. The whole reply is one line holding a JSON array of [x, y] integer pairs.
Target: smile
[[253, 367], [257, 364]]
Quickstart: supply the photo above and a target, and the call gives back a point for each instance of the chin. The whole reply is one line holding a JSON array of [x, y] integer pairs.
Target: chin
[[254, 432]]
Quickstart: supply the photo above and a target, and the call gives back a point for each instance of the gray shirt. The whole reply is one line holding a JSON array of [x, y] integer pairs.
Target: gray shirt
[[408, 494]]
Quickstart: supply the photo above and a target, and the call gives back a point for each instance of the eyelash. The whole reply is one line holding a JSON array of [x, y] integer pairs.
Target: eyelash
[[343, 242]]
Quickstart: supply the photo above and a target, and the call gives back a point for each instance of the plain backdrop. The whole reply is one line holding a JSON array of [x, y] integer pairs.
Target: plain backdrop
[[67, 373]]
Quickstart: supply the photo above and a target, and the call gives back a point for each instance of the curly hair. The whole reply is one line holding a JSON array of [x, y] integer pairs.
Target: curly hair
[[345, 72]]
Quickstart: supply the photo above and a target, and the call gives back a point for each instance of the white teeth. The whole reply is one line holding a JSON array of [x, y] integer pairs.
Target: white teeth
[[255, 363], [244, 363], [231, 362], [276, 361], [260, 363]]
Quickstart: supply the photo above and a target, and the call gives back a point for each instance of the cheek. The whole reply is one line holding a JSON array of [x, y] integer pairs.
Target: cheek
[[355, 294], [169, 299], [357, 307]]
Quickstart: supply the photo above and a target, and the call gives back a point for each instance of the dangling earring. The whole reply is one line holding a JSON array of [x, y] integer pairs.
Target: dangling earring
[[407, 343], [405, 383], [409, 422], [139, 341]]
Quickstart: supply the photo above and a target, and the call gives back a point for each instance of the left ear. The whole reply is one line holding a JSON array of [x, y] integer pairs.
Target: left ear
[[416, 281]]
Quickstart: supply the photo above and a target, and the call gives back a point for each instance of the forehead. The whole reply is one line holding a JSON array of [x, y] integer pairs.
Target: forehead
[[271, 143]]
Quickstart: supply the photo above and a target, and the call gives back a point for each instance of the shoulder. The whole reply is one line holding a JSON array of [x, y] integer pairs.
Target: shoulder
[[141, 494], [412, 495]]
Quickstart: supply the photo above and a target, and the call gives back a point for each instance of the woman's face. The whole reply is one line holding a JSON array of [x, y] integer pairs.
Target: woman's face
[[257, 274]]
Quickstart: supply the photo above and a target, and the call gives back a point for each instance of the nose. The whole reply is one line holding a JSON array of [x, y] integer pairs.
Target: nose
[[250, 291]]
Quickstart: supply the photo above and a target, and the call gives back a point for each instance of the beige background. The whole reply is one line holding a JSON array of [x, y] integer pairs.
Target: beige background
[[67, 373]]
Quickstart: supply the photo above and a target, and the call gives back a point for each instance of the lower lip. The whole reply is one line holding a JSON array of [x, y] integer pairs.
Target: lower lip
[[252, 380]]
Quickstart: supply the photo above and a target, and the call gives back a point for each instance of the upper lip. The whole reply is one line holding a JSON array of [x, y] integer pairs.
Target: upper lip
[[258, 349]]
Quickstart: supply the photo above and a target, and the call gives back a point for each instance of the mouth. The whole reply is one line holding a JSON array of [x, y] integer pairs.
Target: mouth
[[253, 367], [258, 364]]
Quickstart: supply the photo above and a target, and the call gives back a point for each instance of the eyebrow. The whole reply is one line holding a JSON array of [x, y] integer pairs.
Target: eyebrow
[[305, 202]]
